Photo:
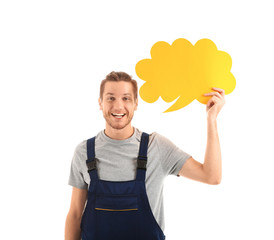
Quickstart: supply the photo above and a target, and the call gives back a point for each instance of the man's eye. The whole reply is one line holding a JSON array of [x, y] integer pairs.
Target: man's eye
[[126, 99], [111, 98]]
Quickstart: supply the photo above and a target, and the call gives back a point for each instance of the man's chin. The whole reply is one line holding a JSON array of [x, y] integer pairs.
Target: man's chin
[[118, 126]]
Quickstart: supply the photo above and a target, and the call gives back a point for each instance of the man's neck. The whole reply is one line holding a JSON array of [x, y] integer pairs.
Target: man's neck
[[119, 134]]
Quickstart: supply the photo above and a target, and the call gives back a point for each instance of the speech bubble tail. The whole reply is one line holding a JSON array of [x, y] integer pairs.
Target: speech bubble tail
[[180, 103]]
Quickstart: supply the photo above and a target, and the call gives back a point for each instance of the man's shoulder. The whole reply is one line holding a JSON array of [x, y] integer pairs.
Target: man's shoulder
[[81, 147], [160, 140], [156, 138], [153, 136]]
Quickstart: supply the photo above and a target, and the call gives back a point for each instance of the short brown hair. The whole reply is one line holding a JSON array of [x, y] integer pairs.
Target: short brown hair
[[119, 76]]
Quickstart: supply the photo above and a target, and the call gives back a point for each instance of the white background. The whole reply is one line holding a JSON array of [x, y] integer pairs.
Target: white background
[[53, 56]]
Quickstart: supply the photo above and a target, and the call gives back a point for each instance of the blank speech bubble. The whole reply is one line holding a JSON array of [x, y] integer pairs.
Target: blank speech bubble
[[184, 71]]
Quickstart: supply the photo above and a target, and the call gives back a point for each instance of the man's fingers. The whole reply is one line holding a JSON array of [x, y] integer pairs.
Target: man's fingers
[[213, 94], [219, 93], [220, 90]]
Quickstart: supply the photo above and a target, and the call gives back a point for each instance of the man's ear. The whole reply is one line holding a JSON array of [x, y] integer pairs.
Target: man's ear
[[136, 104], [100, 103]]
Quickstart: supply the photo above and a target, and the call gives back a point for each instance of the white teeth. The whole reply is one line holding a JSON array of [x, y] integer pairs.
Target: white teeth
[[118, 115]]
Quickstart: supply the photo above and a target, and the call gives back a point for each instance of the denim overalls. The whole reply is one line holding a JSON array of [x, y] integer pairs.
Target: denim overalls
[[119, 210]]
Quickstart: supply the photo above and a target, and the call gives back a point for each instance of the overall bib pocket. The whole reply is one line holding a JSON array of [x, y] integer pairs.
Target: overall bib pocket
[[117, 203]]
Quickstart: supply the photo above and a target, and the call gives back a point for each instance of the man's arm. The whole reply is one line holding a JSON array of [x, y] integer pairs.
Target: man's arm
[[211, 171], [73, 220]]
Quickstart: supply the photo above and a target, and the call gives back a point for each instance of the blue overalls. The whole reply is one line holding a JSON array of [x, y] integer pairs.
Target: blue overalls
[[119, 210]]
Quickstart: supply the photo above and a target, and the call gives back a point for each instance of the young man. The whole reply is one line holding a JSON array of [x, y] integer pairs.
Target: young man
[[116, 195]]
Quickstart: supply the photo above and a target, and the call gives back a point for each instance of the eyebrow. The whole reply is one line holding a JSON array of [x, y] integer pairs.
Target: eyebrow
[[123, 94]]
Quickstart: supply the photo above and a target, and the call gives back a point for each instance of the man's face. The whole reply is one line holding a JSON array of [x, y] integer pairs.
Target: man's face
[[118, 104]]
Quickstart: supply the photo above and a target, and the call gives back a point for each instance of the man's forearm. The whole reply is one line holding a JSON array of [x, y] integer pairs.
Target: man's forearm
[[72, 228], [213, 162]]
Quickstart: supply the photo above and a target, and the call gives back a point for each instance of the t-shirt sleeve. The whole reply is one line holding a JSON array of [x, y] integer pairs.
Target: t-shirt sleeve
[[172, 157], [76, 178]]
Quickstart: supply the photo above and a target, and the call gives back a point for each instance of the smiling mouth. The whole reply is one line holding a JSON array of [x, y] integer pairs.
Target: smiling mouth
[[118, 115]]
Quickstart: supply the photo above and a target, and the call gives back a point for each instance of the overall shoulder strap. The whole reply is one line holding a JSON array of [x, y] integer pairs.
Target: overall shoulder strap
[[91, 161], [142, 158]]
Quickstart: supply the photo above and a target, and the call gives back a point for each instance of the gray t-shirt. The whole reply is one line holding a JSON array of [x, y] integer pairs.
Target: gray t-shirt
[[117, 161]]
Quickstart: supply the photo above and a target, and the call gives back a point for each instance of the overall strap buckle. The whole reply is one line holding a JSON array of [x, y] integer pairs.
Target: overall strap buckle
[[142, 162], [91, 164]]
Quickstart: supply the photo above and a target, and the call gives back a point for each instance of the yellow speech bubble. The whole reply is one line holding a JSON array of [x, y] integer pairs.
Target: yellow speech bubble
[[184, 71]]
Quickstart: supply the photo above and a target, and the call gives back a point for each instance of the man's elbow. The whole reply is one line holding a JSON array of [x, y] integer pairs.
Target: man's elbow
[[214, 181]]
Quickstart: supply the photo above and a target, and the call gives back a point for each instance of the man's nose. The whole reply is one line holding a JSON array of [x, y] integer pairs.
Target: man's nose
[[118, 104]]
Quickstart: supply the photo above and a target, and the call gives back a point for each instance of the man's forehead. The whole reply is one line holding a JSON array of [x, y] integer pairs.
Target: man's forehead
[[121, 87], [111, 93]]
